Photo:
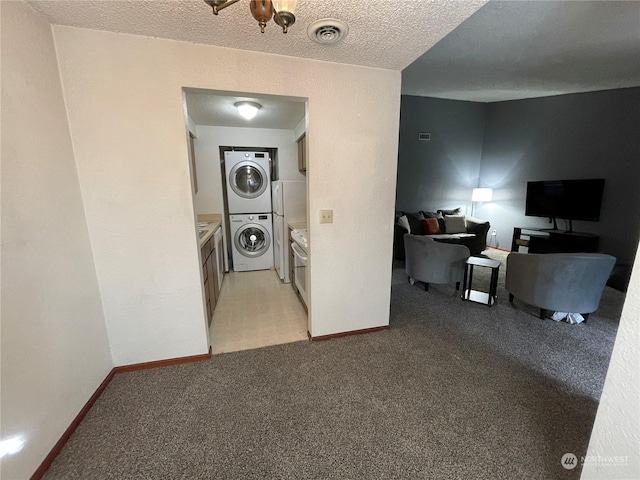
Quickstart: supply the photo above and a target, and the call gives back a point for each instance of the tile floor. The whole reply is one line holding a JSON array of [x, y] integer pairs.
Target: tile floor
[[256, 309]]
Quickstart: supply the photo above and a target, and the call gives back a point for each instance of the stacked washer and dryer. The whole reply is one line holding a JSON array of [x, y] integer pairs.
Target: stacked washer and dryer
[[249, 203]]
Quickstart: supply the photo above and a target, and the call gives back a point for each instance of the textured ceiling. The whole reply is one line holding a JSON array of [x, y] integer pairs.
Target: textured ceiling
[[207, 108], [381, 34], [515, 50], [505, 51]]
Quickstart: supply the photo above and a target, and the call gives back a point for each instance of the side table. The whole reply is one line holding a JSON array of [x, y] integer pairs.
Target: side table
[[474, 295]]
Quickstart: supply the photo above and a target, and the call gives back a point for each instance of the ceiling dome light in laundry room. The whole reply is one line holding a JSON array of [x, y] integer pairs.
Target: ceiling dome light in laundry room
[[248, 109]]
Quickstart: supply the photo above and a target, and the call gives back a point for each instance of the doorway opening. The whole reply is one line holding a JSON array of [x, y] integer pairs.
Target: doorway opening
[[236, 162]]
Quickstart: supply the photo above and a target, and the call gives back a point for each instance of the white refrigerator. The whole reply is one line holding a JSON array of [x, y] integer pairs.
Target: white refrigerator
[[289, 200]]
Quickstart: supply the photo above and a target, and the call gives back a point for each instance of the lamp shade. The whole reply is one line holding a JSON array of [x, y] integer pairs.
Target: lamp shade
[[482, 195], [284, 6]]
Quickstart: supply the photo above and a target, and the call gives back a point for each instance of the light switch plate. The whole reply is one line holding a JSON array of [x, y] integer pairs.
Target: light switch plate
[[326, 216]]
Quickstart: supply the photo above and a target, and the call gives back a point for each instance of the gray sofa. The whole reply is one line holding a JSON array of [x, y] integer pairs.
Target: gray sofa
[[473, 236], [562, 282], [429, 261]]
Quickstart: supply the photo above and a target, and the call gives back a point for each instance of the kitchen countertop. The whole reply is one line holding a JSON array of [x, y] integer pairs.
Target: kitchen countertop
[[297, 225], [216, 221]]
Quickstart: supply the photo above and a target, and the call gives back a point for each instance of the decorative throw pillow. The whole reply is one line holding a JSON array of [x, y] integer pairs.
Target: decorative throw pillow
[[455, 211], [455, 224], [430, 226], [403, 222], [430, 214], [414, 220], [435, 215]]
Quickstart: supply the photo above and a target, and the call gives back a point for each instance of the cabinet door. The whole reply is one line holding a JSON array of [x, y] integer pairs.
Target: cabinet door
[[192, 160], [302, 153], [207, 295], [216, 280], [212, 280], [205, 278]]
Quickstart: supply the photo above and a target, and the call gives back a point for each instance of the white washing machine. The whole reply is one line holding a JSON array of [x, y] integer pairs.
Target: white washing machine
[[248, 182], [252, 241]]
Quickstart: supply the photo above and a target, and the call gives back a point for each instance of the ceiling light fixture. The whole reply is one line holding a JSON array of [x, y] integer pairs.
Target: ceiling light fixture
[[263, 10], [247, 109]]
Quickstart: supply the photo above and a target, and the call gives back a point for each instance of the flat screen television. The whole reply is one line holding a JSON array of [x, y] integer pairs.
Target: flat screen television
[[567, 199]]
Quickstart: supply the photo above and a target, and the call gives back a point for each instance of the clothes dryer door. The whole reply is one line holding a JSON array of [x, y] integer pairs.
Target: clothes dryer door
[[248, 180]]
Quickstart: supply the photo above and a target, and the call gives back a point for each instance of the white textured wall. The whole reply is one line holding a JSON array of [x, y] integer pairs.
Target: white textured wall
[[124, 101], [209, 198], [55, 349], [616, 431]]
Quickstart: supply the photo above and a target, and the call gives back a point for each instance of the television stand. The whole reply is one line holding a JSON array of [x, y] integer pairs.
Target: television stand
[[553, 241], [555, 226]]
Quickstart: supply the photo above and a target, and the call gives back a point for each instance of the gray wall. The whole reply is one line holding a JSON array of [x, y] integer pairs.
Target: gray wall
[[505, 144], [588, 135], [442, 172]]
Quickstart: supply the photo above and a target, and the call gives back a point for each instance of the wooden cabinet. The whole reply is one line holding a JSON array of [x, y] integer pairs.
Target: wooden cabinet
[[210, 277], [192, 160], [292, 262], [302, 154]]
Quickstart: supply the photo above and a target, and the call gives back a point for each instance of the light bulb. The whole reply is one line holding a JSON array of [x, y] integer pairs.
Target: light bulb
[[248, 110], [284, 6]]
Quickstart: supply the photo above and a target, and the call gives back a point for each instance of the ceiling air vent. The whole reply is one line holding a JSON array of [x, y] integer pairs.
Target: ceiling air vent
[[327, 31]]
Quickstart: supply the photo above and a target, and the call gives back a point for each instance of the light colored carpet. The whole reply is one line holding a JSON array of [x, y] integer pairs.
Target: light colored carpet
[[453, 390]]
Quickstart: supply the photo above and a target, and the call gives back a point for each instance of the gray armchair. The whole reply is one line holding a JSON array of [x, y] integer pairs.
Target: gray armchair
[[564, 282], [429, 261]]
